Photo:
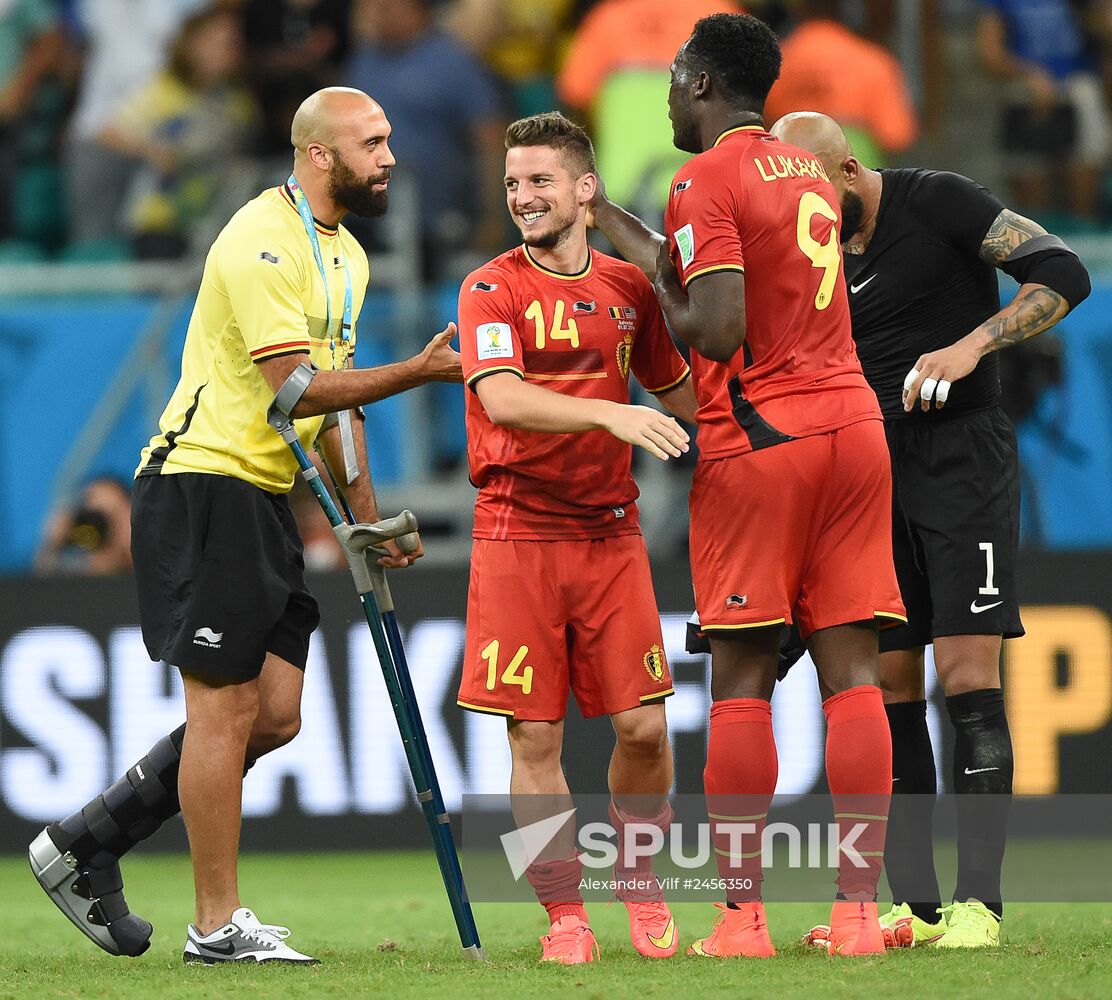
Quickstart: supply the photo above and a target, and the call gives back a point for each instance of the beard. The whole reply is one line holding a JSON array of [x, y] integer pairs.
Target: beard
[[853, 211], [354, 193], [553, 237]]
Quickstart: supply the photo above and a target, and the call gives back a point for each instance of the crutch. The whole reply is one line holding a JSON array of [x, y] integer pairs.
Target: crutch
[[409, 699], [360, 544]]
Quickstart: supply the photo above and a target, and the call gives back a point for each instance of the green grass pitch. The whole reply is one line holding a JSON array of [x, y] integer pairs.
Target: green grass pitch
[[382, 926]]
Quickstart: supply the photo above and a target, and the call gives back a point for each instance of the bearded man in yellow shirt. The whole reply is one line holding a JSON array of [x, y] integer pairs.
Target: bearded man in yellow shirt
[[218, 561]]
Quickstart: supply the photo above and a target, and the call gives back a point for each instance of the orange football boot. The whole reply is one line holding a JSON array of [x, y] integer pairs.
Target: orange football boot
[[855, 929], [652, 928], [569, 941], [740, 933]]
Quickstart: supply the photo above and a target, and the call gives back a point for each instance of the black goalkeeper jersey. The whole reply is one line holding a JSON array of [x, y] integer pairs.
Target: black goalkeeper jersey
[[921, 285]]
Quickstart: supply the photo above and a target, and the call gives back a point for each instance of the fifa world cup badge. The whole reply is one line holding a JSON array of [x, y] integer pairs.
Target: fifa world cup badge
[[493, 340], [654, 663]]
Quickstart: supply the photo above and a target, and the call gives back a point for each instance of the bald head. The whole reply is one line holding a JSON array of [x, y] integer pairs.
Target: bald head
[[857, 187], [323, 116], [818, 134], [342, 156]]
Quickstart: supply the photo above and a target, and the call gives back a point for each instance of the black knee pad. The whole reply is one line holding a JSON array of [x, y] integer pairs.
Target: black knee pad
[[129, 811]]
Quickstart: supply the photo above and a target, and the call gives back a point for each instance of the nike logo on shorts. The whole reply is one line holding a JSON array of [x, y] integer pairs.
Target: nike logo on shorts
[[978, 608], [980, 770], [854, 289]]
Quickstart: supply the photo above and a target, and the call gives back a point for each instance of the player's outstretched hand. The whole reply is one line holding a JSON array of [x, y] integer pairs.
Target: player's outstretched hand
[[930, 380], [396, 558], [439, 360], [650, 429]]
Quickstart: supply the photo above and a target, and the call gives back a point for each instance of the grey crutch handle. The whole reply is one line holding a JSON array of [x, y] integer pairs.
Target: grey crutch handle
[[357, 538], [362, 545]]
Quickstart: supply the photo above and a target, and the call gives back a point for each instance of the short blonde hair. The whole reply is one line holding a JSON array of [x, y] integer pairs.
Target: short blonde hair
[[552, 129]]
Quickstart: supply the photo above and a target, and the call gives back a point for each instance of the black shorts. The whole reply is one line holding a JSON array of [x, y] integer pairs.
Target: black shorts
[[955, 527], [220, 573]]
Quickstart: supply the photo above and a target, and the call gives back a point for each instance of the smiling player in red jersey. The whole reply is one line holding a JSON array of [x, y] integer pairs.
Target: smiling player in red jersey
[[560, 596], [791, 501]]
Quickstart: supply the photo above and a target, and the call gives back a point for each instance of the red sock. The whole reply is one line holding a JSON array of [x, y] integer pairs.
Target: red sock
[[636, 882], [859, 772], [739, 780], [556, 884]]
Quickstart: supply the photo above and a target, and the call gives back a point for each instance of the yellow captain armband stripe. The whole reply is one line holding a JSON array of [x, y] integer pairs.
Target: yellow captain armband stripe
[[483, 372], [671, 385], [688, 278]]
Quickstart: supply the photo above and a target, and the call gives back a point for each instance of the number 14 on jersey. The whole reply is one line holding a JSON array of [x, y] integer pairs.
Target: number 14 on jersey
[[556, 329]]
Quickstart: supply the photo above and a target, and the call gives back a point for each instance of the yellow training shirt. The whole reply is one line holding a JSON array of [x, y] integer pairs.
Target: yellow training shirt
[[261, 296]]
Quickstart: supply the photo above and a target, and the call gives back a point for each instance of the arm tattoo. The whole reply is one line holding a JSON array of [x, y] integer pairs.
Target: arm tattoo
[[1007, 232], [1032, 310]]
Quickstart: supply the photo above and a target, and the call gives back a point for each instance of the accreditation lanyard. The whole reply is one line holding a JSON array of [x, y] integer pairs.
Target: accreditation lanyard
[[347, 440], [310, 224]]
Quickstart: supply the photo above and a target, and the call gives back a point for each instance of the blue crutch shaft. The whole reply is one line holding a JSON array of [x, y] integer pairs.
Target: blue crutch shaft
[[409, 697], [420, 763], [417, 769], [443, 842], [397, 652], [412, 706]]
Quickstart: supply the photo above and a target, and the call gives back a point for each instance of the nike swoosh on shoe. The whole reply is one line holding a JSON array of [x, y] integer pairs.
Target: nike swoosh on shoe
[[664, 942]]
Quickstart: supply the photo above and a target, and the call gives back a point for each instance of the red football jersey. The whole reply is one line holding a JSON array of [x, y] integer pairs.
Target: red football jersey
[[754, 204], [579, 335]]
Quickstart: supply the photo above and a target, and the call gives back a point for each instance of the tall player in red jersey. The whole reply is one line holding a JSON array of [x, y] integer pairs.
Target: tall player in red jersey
[[791, 501], [560, 596]]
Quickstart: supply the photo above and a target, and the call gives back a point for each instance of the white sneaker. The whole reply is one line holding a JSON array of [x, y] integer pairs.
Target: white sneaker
[[242, 939]]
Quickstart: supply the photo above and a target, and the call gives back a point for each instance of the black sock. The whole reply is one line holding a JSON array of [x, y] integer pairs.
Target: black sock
[[127, 812], [983, 781], [909, 846]]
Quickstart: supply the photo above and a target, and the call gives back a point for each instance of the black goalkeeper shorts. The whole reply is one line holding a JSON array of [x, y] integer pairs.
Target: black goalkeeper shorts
[[220, 574], [955, 526]]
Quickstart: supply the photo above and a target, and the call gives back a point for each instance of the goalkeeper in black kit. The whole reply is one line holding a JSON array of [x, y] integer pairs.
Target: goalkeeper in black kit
[[922, 249]]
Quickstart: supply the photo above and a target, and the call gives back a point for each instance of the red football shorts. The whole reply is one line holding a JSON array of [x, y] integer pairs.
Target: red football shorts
[[798, 532], [544, 618]]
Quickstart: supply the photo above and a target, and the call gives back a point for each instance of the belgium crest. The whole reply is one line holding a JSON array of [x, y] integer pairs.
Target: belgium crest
[[654, 663], [624, 351]]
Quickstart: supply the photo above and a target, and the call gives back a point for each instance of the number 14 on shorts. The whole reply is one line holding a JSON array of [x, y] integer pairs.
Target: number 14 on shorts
[[515, 673]]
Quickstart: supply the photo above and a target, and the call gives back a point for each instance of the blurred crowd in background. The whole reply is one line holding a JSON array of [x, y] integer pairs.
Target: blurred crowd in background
[[120, 121], [118, 118]]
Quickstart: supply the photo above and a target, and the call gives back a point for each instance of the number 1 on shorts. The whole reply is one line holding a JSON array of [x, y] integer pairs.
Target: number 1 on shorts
[[988, 589]]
